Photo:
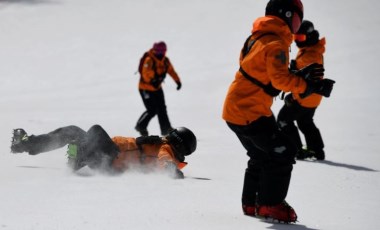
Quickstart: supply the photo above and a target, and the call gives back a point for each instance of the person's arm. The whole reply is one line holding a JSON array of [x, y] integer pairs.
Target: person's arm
[[168, 162]]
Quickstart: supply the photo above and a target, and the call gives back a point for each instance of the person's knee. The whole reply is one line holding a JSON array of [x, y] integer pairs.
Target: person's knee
[[96, 127], [283, 149], [72, 133]]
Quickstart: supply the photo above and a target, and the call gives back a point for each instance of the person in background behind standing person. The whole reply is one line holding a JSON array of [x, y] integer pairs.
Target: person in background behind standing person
[[264, 62], [154, 66], [302, 110]]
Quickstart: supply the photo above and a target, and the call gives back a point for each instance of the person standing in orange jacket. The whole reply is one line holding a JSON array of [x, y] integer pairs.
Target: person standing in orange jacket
[[264, 71], [153, 69], [97, 150], [302, 110]]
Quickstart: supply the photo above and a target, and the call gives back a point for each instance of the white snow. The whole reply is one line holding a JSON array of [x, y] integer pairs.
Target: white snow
[[66, 62]]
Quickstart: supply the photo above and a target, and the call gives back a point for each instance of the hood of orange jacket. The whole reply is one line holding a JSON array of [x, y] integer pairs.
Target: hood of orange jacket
[[267, 61], [306, 56]]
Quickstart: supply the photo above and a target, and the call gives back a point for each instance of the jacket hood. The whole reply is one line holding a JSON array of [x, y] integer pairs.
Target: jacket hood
[[274, 25]]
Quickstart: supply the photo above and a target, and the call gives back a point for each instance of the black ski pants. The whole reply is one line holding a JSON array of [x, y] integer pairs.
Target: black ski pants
[[154, 102], [96, 148], [271, 154], [292, 111]]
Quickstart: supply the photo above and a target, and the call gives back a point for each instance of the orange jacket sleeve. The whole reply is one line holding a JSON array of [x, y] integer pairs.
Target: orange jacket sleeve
[[172, 72], [166, 156], [306, 56], [277, 69]]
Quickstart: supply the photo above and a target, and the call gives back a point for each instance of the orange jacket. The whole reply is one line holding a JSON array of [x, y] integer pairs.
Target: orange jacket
[[306, 56], [153, 156], [267, 61], [152, 64]]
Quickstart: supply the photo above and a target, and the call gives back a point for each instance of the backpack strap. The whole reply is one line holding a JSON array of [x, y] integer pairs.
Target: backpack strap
[[268, 89]]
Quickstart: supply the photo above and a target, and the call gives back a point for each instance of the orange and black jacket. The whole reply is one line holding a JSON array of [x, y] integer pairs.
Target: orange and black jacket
[[153, 68], [267, 61], [306, 56], [149, 156]]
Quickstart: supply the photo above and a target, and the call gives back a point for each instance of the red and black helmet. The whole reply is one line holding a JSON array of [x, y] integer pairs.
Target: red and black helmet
[[291, 11]]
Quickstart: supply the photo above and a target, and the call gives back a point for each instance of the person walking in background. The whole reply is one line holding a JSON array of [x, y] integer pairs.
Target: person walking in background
[[302, 110], [97, 150], [154, 65], [263, 71]]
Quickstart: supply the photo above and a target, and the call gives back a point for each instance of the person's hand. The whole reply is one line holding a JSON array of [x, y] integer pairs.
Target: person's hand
[[173, 171], [179, 85], [311, 72], [178, 174], [322, 87]]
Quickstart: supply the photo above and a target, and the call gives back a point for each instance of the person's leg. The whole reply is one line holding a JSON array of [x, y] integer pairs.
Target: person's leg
[[53, 140], [148, 98], [162, 114], [285, 120], [255, 164], [98, 150], [268, 174], [313, 137]]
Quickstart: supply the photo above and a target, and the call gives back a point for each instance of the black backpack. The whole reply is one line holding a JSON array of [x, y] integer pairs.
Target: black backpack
[[142, 59]]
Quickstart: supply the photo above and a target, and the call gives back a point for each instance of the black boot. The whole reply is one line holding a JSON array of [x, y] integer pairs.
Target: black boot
[[20, 141]]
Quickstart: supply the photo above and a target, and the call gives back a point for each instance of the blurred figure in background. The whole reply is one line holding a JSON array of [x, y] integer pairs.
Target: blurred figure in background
[[154, 65], [302, 110]]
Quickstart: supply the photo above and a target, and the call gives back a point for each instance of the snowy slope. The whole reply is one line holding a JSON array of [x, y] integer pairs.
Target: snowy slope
[[68, 62]]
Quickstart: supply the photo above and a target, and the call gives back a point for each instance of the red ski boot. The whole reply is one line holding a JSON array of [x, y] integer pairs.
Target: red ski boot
[[282, 212], [249, 210]]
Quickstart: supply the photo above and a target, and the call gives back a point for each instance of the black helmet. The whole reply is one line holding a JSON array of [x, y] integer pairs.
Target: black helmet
[[291, 11], [306, 35], [183, 142]]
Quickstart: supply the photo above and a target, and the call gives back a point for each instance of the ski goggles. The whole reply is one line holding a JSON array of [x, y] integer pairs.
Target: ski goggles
[[299, 37]]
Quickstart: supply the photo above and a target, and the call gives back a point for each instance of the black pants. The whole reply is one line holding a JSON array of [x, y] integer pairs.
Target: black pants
[[154, 102], [96, 148], [293, 111], [271, 154]]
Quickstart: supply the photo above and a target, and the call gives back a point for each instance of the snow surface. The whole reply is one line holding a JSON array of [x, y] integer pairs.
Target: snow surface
[[66, 62]]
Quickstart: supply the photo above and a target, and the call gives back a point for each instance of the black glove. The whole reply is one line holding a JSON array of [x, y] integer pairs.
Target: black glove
[[174, 172], [179, 85], [178, 174], [322, 87], [311, 72]]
